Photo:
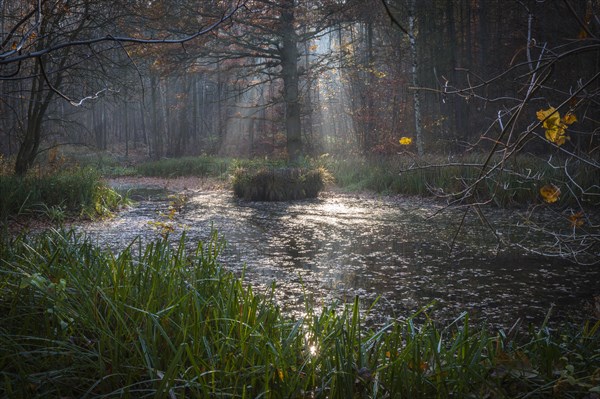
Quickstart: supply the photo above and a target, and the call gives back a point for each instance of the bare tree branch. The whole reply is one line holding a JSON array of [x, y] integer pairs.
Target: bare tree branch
[[393, 18], [14, 55]]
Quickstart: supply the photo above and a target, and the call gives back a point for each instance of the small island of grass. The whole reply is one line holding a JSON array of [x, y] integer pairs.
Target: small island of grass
[[278, 183]]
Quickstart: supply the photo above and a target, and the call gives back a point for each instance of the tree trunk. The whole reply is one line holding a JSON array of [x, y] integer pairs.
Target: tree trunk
[[39, 102], [38, 105], [156, 133], [370, 135], [415, 79], [30, 144], [290, 75], [308, 120]]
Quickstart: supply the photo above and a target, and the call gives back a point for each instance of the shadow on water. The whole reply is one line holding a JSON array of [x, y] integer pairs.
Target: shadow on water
[[331, 249]]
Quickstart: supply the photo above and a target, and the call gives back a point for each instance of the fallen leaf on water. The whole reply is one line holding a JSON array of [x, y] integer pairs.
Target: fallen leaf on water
[[550, 193]]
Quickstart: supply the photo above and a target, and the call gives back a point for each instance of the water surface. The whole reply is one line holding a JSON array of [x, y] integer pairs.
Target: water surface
[[388, 249]]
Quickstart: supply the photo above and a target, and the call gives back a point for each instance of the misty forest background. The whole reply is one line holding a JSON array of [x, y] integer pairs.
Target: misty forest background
[[288, 78]]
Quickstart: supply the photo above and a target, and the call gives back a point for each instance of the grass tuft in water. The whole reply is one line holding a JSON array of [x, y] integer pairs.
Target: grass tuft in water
[[274, 180], [278, 183], [161, 321]]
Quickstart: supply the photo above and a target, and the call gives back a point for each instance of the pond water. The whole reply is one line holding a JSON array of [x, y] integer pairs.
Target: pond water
[[393, 250]]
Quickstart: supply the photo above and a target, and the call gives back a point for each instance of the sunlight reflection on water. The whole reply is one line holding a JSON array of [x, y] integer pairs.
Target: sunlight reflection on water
[[334, 248]]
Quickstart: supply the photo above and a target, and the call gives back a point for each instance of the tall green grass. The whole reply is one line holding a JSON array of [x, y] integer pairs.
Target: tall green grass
[[76, 191], [161, 321]]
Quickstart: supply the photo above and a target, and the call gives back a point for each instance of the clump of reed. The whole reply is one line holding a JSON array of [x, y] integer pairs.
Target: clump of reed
[[160, 320], [78, 191], [278, 183]]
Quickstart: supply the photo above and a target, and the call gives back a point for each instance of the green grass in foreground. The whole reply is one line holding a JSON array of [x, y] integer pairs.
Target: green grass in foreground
[[162, 322]]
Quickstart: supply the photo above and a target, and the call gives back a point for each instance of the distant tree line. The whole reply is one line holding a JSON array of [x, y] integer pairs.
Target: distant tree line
[[293, 78]]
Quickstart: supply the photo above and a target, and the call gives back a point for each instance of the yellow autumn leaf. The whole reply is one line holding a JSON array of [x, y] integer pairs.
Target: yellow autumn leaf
[[576, 219], [556, 135], [552, 121], [405, 140], [550, 193], [569, 118], [543, 114], [550, 116], [555, 125]]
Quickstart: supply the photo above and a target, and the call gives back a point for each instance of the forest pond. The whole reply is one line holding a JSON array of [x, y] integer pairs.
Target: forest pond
[[394, 249]]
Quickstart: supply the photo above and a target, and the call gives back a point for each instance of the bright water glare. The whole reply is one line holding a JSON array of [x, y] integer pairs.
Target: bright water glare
[[383, 249]]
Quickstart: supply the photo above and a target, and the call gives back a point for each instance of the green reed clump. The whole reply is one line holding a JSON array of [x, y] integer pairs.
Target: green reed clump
[[278, 184], [161, 321], [201, 166], [276, 180], [76, 191]]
